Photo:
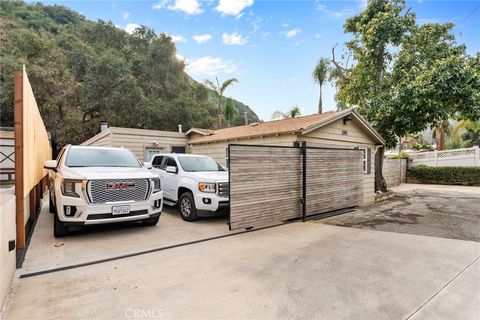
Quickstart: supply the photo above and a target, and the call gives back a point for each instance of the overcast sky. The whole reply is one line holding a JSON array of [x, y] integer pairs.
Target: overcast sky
[[270, 46]]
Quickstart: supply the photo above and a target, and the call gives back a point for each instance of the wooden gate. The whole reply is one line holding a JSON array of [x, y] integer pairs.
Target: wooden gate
[[273, 184], [265, 185], [334, 179]]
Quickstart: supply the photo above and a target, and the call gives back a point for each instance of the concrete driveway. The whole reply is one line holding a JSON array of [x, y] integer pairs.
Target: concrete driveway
[[108, 241], [438, 211], [299, 270]]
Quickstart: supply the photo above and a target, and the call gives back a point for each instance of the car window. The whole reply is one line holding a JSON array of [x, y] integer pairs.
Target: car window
[[197, 164], [97, 157], [170, 162], [157, 161]]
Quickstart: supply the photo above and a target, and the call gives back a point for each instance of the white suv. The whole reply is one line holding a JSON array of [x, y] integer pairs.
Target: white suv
[[197, 184], [95, 185]]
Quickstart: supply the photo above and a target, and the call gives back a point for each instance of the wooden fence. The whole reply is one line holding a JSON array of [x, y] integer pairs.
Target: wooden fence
[[32, 149], [265, 185], [273, 184]]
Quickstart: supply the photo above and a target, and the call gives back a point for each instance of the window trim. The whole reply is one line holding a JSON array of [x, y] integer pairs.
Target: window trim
[[364, 160]]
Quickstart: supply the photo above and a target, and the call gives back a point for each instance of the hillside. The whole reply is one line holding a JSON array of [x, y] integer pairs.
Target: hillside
[[84, 71]]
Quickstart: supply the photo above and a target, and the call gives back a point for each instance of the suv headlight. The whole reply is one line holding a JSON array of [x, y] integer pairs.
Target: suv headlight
[[69, 187], [156, 185], [206, 187]]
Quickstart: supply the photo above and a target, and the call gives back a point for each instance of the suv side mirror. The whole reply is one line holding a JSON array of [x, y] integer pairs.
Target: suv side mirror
[[147, 165], [171, 169], [50, 165]]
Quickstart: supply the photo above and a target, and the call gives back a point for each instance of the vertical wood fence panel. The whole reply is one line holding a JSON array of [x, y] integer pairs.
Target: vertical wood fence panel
[[334, 179], [32, 149], [265, 185]]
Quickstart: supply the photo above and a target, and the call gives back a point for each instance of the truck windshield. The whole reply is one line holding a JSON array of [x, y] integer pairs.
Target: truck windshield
[[93, 157], [193, 164]]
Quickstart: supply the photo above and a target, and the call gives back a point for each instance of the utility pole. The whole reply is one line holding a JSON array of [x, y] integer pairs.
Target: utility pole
[[245, 116]]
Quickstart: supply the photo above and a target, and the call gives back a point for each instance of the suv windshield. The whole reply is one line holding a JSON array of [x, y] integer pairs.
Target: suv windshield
[[192, 164], [85, 157]]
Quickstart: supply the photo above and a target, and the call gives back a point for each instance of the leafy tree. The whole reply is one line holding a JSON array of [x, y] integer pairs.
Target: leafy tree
[[219, 90], [405, 77], [230, 112], [320, 75], [83, 72]]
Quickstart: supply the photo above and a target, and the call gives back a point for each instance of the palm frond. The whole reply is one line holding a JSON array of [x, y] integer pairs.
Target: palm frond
[[321, 71], [226, 84], [210, 85]]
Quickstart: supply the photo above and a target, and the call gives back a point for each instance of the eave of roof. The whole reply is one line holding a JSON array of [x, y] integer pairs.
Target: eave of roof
[[304, 125]]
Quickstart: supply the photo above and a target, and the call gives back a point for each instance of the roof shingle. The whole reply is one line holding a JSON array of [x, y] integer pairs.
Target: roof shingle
[[262, 128]]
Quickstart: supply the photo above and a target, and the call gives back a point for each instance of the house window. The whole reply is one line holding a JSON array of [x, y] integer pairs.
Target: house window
[[150, 152], [366, 160], [177, 149]]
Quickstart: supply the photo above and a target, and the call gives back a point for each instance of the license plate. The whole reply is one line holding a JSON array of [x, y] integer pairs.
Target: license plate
[[120, 210]]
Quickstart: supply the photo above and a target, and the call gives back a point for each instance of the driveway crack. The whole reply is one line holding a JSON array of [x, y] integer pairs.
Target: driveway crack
[[442, 288]]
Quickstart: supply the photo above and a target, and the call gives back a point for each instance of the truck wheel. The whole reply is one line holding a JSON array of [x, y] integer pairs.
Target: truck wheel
[[151, 221], [187, 207], [51, 204], [59, 228]]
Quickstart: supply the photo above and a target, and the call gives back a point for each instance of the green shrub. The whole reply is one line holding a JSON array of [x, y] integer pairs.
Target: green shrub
[[468, 176], [401, 155]]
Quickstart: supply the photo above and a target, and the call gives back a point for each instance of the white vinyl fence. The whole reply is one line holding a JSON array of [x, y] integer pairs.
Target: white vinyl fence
[[467, 157]]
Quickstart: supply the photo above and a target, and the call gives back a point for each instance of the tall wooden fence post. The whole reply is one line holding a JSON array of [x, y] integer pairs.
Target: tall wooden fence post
[[19, 179]]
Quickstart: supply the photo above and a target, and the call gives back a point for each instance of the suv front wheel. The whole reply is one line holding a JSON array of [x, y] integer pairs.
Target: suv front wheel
[[186, 204], [51, 204], [59, 228]]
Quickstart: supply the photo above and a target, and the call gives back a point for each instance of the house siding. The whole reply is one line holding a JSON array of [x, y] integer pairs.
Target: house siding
[[332, 136], [329, 136], [138, 140], [216, 150]]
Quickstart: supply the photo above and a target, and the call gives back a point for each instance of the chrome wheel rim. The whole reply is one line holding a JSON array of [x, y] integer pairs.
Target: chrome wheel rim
[[186, 207]]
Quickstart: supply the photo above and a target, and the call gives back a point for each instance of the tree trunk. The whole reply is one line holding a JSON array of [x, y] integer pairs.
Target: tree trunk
[[400, 145], [219, 120], [320, 101], [441, 137], [380, 184]]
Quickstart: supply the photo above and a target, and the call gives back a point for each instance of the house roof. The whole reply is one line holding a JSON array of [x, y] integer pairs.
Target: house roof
[[303, 125]]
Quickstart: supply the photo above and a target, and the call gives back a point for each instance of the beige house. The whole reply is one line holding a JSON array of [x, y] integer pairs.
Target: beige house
[[343, 129], [143, 143]]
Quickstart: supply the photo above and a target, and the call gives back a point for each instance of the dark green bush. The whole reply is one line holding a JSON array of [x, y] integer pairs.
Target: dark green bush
[[469, 176]]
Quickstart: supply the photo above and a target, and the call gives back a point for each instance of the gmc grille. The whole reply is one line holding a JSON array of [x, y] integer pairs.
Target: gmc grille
[[102, 191], [223, 189]]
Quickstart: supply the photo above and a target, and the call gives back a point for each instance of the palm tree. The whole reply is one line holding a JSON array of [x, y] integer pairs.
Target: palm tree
[[320, 75], [293, 113], [219, 91], [464, 126]]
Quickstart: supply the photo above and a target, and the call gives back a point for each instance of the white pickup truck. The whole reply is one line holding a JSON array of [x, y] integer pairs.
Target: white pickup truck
[[96, 185], [196, 183]]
